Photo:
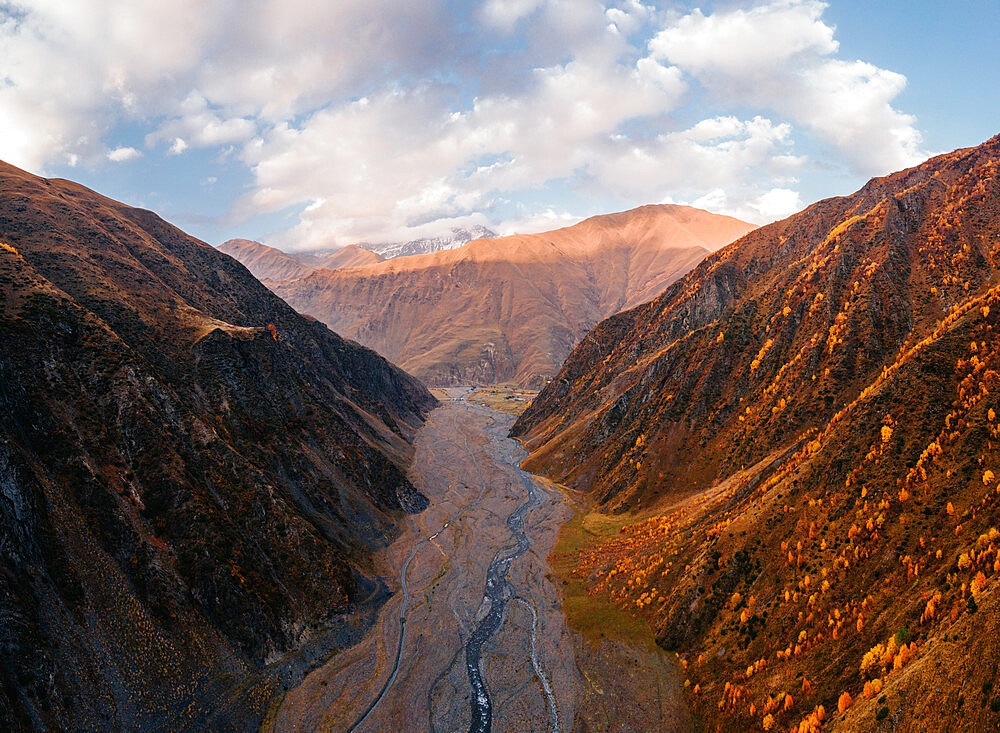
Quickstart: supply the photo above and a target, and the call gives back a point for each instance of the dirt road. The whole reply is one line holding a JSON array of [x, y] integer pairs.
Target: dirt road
[[475, 637]]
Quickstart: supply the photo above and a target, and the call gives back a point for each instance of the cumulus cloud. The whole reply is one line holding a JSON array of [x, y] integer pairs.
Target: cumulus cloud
[[539, 221], [504, 14], [377, 120], [123, 154], [388, 162], [777, 203], [718, 152], [73, 70], [777, 56], [197, 124], [744, 43]]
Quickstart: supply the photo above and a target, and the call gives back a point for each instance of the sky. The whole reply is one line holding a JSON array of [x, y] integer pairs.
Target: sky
[[311, 125]]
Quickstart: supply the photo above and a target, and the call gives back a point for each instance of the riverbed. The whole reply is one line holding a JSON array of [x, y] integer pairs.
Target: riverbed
[[474, 637]]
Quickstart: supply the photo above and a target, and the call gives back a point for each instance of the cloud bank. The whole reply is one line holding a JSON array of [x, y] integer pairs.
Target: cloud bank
[[379, 120]]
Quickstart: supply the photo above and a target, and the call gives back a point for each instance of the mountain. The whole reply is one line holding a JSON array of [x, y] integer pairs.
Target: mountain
[[269, 264], [350, 255], [511, 308], [457, 238], [192, 475], [800, 447]]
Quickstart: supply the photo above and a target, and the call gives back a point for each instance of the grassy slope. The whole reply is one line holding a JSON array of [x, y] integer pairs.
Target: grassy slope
[[871, 489]]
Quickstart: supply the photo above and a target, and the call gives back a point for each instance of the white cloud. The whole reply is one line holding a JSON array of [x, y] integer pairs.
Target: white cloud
[[383, 120], [778, 203], [776, 56], [539, 221], [385, 163], [197, 124], [122, 154], [721, 152], [741, 43], [504, 14], [848, 104], [72, 70], [629, 17]]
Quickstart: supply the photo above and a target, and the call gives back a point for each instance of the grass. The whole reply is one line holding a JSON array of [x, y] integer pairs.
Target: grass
[[271, 717], [594, 616], [504, 398]]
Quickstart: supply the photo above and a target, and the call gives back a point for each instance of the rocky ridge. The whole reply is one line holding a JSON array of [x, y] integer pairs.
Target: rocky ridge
[[269, 264], [192, 475], [458, 237]]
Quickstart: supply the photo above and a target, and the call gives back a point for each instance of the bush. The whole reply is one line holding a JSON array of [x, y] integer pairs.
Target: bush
[[883, 712]]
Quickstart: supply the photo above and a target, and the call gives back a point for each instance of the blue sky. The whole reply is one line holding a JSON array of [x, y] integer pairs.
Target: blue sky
[[312, 125]]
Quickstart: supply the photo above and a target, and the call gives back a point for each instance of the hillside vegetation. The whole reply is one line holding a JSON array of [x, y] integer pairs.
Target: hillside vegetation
[[803, 437]]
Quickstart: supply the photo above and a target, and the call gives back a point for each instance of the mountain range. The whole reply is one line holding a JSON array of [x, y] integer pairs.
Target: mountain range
[[193, 476], [509, 309], [798, 443], [456, 238], [269, 264], [788, 450]]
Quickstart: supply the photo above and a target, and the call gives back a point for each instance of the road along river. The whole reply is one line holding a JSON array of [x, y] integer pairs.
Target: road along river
[[475, 638]]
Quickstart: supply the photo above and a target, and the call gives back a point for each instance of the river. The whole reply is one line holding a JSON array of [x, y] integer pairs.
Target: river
[[475, 638]]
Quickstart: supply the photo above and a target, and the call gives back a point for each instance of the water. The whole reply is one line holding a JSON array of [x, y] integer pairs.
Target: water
[[497, 593]]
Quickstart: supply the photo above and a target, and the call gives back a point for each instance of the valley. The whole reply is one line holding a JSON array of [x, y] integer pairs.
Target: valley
[[503, 310], [508, 366], [473, 579]]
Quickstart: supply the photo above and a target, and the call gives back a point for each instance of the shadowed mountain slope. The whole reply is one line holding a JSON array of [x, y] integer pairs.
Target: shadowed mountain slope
[[802, 439], [192, 475], [511, 308]]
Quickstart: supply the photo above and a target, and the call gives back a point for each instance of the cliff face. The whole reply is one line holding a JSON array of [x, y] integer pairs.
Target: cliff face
[[192, 475], [510, 309], [802, 438]]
